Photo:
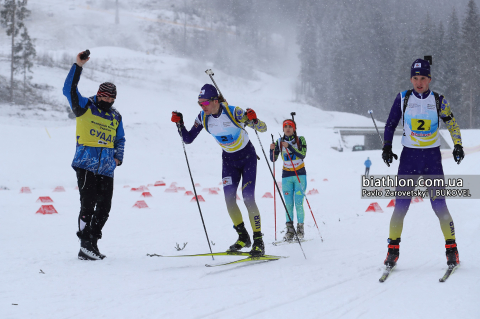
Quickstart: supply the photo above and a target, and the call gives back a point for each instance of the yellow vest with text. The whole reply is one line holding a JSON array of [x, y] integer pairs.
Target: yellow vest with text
[[97, 128]]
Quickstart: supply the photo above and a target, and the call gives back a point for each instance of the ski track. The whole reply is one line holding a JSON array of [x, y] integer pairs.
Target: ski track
[[304, 298]]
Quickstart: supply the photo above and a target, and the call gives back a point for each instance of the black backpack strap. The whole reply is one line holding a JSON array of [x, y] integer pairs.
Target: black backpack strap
[[437, 104], [405, 104]]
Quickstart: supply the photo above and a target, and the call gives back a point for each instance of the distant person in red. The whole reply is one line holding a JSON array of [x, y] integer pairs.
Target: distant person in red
[[100, 146]]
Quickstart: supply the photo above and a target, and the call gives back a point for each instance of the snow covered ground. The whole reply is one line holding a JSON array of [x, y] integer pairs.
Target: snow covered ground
[[339, 278], [42, 277]]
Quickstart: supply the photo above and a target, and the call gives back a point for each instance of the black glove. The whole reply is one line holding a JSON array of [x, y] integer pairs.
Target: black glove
[[177, 118], [458, 153], [388, 155]]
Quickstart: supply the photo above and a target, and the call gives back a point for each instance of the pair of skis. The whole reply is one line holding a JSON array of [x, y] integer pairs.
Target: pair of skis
[[249, 258], [388, 270]]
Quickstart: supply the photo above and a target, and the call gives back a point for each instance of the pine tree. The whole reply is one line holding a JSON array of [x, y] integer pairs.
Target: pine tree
[[470, 59], [451, 68], [307, 39], [379, 62], [23, 58], [439, 75], [426, 40], [402, 66], [12, 17]]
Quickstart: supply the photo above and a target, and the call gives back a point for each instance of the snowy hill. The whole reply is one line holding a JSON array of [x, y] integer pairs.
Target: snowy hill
[[339, 278]]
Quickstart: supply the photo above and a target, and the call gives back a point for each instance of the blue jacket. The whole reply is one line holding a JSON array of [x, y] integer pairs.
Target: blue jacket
[[368, 163], [99, 160]]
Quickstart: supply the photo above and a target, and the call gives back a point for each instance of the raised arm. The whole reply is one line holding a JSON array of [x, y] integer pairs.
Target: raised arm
[[70, 88]]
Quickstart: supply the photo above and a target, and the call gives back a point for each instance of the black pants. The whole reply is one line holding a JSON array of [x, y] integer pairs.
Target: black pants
[[96, 193], [367, 171]]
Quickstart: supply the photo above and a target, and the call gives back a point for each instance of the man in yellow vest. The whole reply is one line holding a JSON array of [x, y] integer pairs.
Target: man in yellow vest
[[100, 146]]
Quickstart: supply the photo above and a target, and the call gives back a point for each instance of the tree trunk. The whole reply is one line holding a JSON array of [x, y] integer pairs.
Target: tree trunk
[[13, 44], [24, 82], [471, 108], [185, 29], [117, 18]]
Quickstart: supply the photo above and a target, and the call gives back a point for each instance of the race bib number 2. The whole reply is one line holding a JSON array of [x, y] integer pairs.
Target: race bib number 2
[[225, 138], [421, 125]]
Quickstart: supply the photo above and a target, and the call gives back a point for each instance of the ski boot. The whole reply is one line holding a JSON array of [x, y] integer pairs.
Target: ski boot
[[258, 248], [300, 230], [393, 252], [87, 251], [94, 245], [452, 253], [243, 238], [290, 232]]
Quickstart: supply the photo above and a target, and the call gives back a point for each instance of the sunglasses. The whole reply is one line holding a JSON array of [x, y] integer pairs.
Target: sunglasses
[[205, 103]]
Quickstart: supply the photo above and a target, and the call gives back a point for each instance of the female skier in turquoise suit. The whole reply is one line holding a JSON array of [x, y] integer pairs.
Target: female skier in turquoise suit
[[293, 191]]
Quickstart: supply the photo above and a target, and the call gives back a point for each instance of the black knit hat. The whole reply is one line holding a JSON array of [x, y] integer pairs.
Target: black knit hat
[[420, 67]]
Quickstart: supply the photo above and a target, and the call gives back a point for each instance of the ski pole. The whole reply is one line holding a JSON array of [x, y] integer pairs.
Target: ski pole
[[195, 191], [371, 114], [381, 139], [280, 194], [274, 194], [302, 190], [211, 74]]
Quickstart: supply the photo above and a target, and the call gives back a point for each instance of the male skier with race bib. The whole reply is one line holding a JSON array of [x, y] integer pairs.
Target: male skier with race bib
[[226, 124], [420, 110]]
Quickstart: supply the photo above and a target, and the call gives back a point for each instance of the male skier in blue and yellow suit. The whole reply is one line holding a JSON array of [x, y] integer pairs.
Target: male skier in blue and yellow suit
[[421, 110], [226, 124], [100, 146]]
